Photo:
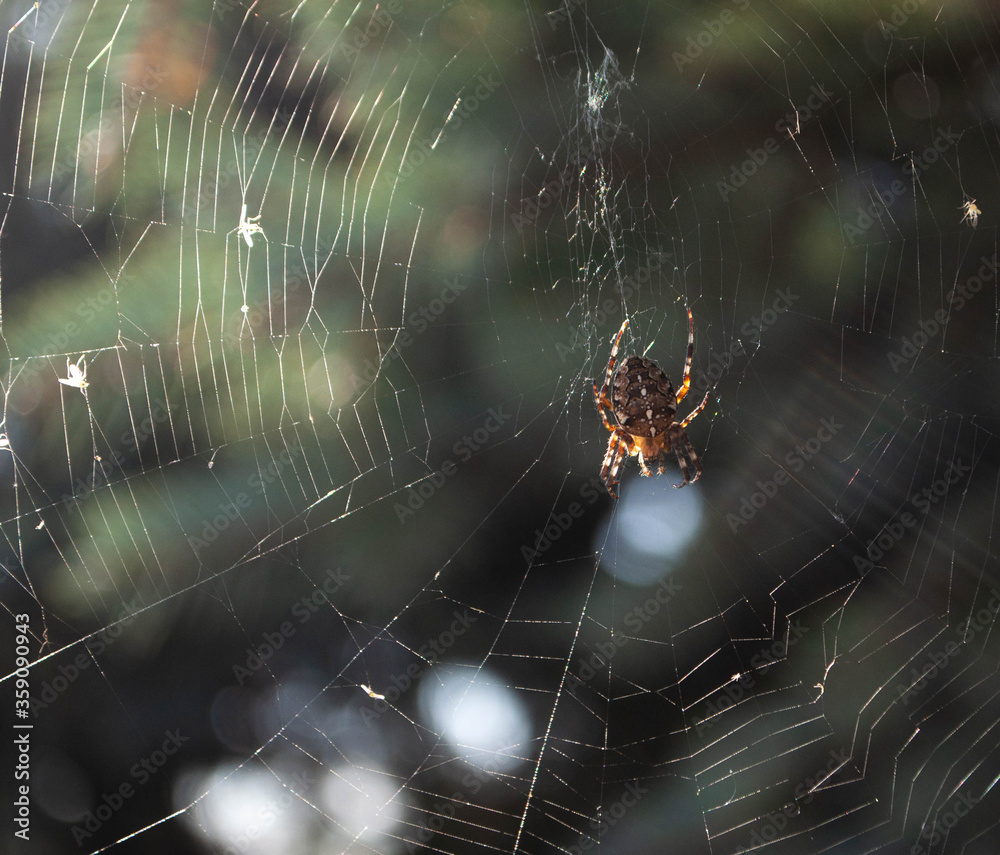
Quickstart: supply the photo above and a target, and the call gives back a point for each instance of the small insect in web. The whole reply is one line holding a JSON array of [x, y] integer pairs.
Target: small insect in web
[[249, 226], [372, 693], [644, 405], [971, 212], [76, 374]]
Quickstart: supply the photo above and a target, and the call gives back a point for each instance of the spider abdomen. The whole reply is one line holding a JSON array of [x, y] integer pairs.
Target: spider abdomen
[[643, 398]]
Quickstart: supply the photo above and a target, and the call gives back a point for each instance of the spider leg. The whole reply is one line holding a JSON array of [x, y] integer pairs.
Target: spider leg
[[620, 444], [602, 402], [687, 362], [614, 352], [696, 410], [686, 457], [602, 397], [618, 448]]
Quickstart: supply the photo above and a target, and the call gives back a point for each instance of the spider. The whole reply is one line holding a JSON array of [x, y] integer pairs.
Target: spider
[[971, 212], [76, 374], [249, 226], [644, 404]]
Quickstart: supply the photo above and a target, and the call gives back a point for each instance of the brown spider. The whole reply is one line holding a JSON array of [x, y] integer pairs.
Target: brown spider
[[644, 405]]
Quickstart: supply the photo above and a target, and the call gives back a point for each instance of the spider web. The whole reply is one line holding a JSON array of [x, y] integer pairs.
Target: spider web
[[312, 552]]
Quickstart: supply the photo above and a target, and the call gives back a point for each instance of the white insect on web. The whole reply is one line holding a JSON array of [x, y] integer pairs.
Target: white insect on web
[[363, 450], [971, 212], [249, 226], [76, 374]]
